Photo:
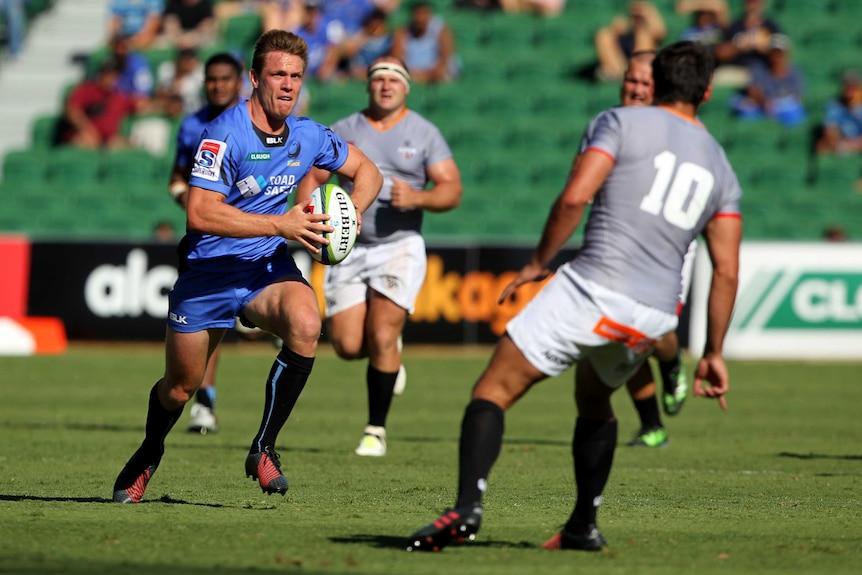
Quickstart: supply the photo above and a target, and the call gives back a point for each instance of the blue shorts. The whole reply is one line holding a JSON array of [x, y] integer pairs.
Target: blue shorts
[[213, 296]]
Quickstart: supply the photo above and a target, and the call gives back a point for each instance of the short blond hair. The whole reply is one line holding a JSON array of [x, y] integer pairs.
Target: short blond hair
[[278, 41]]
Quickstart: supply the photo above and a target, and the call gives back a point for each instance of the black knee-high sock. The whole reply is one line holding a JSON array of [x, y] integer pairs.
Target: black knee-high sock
[[481, 441], [286, 380], [159, 424], [380, 385], [593, 451], [648, 411]]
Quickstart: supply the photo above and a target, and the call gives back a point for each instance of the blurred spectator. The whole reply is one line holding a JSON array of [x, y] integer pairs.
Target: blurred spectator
[[776, 89], [834, 233], [842, 126], [15, 18], [642, 28], [322, 52], [136, 77], [345, 17], [96, 109], [709, 19], [274, 14], [181, 79], [164, 232], [426, 44], [281, 14], [138, 20], [540, 7], [372, 41], [745, 44], [188, 24]]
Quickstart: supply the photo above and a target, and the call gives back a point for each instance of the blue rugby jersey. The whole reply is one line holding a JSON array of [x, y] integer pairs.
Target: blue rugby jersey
[[256, 172]]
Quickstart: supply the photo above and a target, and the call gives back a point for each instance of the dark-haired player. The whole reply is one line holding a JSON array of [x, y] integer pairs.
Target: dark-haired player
[[657, 180], [234, 258], [369, 295], [637, 90]]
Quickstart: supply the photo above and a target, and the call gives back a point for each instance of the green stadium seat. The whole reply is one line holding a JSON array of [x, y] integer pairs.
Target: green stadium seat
[[43, 131], [836, 174], [121, 166], [75, 165], [158, 56], [241, 31], [26, 166]]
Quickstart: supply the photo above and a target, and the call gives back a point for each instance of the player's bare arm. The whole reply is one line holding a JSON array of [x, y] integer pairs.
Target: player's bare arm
[[208, 214], [447, 188], [367, 179], [314, 179], [586, 177], [723, 236]]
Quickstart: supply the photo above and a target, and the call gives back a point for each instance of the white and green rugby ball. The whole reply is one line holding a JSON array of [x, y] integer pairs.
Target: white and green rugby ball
[[333, 200]]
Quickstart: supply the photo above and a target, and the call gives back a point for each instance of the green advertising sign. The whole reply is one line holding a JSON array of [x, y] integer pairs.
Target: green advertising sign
[[777, 299]]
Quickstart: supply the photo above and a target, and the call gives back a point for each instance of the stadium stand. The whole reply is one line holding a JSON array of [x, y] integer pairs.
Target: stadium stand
[[513, 120]]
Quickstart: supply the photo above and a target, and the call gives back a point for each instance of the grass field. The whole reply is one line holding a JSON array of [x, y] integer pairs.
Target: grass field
[[774, 485]]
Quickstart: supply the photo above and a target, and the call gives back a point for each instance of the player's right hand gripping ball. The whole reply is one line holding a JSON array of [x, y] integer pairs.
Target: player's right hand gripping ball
[[333, 200]]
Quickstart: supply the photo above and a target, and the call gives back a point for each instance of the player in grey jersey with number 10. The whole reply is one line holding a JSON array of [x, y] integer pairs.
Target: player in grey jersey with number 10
[[657, 180]]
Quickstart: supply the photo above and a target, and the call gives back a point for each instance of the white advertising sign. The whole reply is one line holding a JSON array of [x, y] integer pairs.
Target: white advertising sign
[[795, 301]]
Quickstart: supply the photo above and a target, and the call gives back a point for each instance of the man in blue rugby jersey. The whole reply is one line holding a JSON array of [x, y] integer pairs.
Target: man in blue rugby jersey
[[234, 260]]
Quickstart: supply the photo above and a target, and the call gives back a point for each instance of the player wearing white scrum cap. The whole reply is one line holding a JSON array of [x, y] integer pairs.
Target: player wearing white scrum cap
[[369, 294]]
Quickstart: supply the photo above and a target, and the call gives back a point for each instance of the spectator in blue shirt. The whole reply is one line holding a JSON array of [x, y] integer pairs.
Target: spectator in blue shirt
[[775, 90], [139, 20], [136, 77], [842, 127]]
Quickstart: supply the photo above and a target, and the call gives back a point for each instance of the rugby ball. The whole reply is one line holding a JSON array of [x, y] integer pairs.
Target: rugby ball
[[333, 200]]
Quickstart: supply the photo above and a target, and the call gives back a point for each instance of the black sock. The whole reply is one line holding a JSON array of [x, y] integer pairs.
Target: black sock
[[481, 441], [380, 385], [286, 380], [648, 411], [206, 397], [593, 451], [669, 371], [159, 424]]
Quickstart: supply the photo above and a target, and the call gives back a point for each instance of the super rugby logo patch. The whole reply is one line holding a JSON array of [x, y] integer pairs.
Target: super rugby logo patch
[[208, 159]]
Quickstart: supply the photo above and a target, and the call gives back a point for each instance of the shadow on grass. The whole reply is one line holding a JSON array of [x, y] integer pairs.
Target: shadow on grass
[[162, 499], [508, 441], [33, 426], [41, 566], [393, 542], [820, 456]]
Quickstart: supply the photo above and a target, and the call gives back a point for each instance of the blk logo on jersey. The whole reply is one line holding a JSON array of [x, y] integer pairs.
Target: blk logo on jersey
[[274, 141], [208, 159]]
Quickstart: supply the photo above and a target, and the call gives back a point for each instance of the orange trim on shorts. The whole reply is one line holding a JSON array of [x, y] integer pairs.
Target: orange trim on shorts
[[631, 337]]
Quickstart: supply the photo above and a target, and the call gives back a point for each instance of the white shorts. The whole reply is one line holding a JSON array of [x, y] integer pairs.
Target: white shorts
[[395, 270], [570, 320]]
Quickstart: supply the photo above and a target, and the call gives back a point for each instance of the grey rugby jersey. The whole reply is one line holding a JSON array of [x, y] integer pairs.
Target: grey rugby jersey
[[405, 151], [669, 180]]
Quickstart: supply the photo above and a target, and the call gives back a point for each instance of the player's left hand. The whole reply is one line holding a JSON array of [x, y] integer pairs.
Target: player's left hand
[[403, 196], [711, 379], [529, 273], [298, 225]]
